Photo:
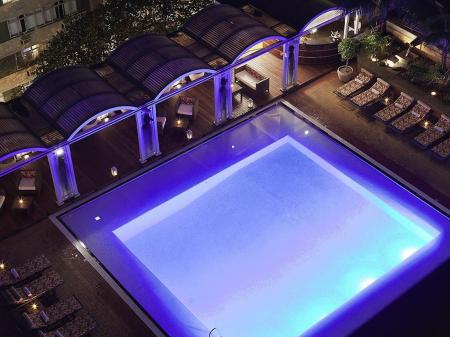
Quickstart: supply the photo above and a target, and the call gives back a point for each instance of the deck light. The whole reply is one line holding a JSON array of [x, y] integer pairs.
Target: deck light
[[433, 93], [114, 171], [314, 30], [97, 218], [178, 121], [27, 156], [189, 134], [232, 146], [34, 306], [386, 99], [21, 201], [59, 152], [2, 266], [306, 132], [106, 120], [426, 124]]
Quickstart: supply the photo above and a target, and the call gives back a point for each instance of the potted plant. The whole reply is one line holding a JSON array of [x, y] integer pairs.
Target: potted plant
[[348, 49]]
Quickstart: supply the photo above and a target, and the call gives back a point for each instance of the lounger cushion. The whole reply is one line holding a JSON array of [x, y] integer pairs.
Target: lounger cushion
[[15, 274], [27, 184], [58, 333], [27, 291], [186, 109], [44, 316], [27, 319]]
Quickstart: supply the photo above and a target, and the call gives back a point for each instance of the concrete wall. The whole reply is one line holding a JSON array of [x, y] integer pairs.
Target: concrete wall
[[405, 36]]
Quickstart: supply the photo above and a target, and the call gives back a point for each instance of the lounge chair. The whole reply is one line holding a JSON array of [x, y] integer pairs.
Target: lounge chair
[[411, 118], [442, 150], [52, 315], [33, 290], [371, 95], [187, 107], [395, 109], [359, 82], [29, 182], [434, 133], [78, 327], [21, 273]]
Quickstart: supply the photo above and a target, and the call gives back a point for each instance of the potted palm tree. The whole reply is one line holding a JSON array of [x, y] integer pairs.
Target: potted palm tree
[[348, 49]]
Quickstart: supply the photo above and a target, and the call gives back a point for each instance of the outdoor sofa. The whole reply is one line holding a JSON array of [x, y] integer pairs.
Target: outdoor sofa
[[433, 133], [360, 81], [252, 80], [400, 105], [187, 107], [29, 182]]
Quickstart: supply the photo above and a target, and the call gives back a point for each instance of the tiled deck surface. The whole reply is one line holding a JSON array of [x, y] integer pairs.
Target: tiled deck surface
[[394, 151]]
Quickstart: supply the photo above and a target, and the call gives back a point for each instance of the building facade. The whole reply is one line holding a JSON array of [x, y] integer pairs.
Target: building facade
[[26, 26]]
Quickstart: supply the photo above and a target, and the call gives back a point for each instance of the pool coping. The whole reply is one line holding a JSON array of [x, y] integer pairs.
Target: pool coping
[[122, 292]]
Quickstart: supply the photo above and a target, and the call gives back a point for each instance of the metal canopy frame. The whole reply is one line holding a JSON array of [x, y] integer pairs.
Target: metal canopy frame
[[228, 31]]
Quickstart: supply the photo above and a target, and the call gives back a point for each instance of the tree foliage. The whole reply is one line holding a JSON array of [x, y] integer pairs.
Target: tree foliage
[[88, 38]]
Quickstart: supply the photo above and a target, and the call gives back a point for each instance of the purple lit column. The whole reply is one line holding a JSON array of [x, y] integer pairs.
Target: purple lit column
[[290, 64], [147, 129], [223, 99], [63, 174], [356, 23], [346, 25]]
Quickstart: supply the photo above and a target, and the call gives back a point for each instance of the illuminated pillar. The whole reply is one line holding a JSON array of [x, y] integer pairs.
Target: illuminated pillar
[[290, 64], [356, 23], [63, 174], [223, 96], [346, 25], [147, 129]]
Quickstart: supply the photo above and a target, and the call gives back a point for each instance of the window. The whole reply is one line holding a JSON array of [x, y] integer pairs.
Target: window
[[70, 6], [30, 54], [59, 9], [14, 27], [23, 26]]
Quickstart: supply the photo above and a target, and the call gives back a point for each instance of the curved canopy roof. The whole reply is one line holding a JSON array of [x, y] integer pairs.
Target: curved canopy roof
[[295, 13], [151, 62], [69, 97], [14, 136], [227, 30]]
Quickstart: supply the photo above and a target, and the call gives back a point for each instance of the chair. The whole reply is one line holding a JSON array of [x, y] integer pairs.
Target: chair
[[78, 327], [33, 290], [433, 133], [393, 110], [29, 182], [359, 82], [371, 95], [24, 271], [411, 118], [52, 315], [187, 107], [442, 150]]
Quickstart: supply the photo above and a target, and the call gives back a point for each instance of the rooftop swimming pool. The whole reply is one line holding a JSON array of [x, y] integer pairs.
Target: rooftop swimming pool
[[270, 229]]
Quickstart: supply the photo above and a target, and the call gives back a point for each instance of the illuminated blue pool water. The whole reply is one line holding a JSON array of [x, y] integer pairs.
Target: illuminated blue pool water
[[269, 230]]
